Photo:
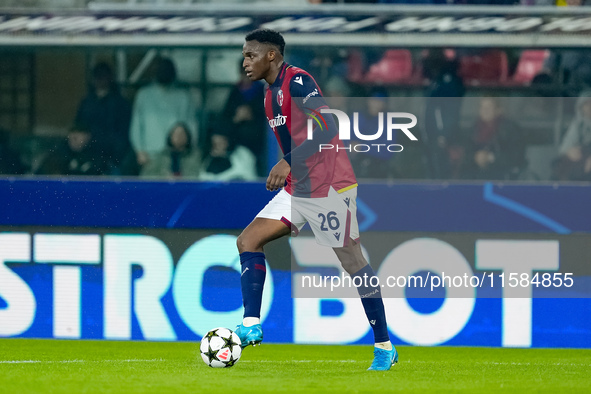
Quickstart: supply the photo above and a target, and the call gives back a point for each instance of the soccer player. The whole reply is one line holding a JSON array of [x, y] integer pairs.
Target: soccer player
[[316, 187]]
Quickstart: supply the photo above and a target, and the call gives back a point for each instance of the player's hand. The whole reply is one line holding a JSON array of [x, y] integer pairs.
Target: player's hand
[[277, 176]]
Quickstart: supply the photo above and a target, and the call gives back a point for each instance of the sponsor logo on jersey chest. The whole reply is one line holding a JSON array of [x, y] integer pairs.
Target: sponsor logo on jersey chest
[[279, 120]]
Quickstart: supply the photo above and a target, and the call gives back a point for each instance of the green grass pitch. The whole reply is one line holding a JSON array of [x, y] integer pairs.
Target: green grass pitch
[[61, 366]]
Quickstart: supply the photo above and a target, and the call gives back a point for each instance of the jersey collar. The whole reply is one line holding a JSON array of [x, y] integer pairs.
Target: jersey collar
[[279, 80]]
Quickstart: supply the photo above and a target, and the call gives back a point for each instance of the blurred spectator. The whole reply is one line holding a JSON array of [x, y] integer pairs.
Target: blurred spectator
[[107, 115], [323, 63], [244, 113], [496, 149], [373, 164], [567, 3], [414, 1], [442, 114], [180, 158], [571, 67], [560, 3], [538, 2], [574, 162], [75, 156], [10, 161], [350, 1], [157, 108], [487, 2], [337, 88], [226, 161]]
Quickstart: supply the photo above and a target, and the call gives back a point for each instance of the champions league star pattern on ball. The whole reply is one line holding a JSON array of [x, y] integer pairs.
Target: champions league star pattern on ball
[[220, 348]]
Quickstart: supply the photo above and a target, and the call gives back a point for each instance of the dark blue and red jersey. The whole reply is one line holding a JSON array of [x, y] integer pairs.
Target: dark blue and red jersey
[[289, 102]]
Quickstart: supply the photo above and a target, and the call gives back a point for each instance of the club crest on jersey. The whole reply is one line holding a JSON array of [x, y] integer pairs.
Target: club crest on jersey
[[280, 97]]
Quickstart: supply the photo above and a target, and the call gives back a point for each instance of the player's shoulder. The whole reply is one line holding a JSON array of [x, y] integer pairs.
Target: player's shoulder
[[300, 80], [297, 75]]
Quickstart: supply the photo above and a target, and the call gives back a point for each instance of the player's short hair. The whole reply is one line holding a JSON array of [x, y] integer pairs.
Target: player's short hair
[[267, 36]]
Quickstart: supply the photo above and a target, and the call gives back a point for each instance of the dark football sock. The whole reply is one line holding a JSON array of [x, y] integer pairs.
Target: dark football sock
[[252, 280], [371, 298]]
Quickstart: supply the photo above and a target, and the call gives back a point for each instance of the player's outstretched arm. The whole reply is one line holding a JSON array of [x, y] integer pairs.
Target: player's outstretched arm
[[278, 175]]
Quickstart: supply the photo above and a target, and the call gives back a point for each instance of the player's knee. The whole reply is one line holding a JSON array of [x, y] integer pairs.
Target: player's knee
[[240, 243], [346, 265], [351, 266], [245, 244], [351, 261]]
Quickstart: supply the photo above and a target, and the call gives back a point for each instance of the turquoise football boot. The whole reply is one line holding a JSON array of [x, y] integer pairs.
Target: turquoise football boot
[[252, 335], [383, 359]]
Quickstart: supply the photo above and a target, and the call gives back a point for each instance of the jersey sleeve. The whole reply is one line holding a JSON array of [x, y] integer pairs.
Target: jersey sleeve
[[305, 93]]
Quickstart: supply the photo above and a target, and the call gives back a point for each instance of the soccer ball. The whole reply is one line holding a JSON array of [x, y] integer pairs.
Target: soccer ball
[[220, 348]]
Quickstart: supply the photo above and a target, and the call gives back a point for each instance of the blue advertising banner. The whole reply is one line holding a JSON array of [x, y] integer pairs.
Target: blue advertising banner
[[158, 261], [129, 286], [476, 207]]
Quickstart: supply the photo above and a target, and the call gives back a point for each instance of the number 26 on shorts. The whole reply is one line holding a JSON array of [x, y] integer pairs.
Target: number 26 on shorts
[[329, 219]]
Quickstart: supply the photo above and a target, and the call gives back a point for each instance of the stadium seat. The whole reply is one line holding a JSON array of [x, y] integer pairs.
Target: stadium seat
[[394, 67], [355, 66], [530, 64], [488, 68]]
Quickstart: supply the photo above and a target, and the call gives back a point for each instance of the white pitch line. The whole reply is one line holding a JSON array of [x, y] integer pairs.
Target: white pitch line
[[302, 361], [417, 362], [134, 360], [539, 363], [131, 360], [505, 363]]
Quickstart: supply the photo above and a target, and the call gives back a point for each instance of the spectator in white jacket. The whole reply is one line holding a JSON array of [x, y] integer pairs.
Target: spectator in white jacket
[[226, 161], [574, 162], [157, 108]]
